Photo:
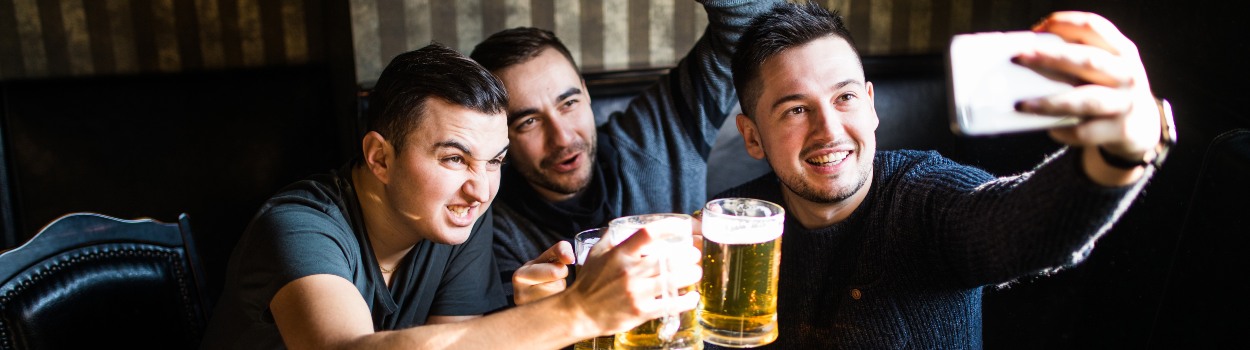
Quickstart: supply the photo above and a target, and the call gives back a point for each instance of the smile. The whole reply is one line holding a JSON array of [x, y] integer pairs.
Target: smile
[[830, 159]]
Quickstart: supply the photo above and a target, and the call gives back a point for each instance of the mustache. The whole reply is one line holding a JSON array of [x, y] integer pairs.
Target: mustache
[[562, 153], [826, 145]]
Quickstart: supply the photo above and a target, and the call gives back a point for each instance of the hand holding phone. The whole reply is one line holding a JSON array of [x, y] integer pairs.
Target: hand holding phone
[[985, 84]]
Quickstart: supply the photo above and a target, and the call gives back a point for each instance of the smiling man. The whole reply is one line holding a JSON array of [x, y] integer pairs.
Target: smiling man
[[393, 250], [566, 175], [891, 249]]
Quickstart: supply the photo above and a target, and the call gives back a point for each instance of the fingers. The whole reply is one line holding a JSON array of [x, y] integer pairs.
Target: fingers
[[1089, 29], [544, 275], [667, 306], [1078, 64], [548, 266], [1085, 100], [634, 244], [561, 252], [540, 273]]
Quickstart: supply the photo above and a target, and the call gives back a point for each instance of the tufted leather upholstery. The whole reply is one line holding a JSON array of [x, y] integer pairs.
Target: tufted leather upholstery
[[88, 280]]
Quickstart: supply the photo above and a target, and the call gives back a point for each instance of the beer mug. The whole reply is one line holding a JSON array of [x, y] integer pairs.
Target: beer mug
[[673, 332], [741, 260], [582, 242]]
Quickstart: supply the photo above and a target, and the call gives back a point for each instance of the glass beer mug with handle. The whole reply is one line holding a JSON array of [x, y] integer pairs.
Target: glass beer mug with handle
[[582, 242], [674, 331], [741, 261]]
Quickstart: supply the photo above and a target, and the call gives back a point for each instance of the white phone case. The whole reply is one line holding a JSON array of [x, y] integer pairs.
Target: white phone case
[[985, 84]]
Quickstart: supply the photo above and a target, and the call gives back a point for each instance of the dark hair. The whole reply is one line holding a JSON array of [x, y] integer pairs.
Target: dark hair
[[397, 103], [517, 45], [787, 25]]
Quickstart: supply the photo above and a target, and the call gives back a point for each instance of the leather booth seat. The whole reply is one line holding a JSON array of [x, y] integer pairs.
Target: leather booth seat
[[92, 281]]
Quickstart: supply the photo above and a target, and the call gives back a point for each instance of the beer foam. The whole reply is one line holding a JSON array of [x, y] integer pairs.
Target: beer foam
[[668, 230], [725, 235]]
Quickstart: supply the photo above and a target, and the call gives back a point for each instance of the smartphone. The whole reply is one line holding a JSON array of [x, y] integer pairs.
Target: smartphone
[[985, 85]]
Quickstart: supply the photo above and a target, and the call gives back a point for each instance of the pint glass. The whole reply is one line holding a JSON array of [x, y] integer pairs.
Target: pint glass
[[582, 242], [741, 259], [675, 332]]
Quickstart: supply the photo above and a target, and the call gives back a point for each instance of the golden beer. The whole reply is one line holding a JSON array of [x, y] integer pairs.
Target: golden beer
[[674, 332], [582, 242], [741, 262], [646, 335]]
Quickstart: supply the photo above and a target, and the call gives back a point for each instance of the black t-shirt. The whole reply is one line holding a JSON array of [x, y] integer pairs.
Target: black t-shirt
[[314, 227]]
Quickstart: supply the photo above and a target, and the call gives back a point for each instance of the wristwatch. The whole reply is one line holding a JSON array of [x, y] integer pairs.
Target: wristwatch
[[1167, 139]]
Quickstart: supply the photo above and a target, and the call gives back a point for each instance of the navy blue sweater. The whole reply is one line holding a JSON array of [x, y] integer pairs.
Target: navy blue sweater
[[907, 268]]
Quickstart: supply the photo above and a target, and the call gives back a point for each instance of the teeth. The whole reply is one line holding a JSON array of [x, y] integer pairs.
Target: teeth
[[829, 159], [459, 211]]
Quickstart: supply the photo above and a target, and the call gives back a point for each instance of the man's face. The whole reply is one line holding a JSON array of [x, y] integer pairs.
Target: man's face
[[815, 121], [550, 124], [448, 172]]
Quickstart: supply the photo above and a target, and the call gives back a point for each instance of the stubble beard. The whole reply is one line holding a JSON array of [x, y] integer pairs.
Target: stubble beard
[[804, 190], [577, 182]]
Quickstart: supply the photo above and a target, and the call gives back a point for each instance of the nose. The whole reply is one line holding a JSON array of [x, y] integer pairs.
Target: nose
[[478, 185], [561, 131], [827, 124]]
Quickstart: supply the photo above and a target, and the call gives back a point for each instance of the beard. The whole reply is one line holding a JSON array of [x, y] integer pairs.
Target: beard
[[569, 184], [803, 189]]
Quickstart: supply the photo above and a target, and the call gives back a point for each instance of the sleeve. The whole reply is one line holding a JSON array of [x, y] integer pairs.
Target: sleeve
[[690, 103], [1036, 222], [470, 286], [289, 242]]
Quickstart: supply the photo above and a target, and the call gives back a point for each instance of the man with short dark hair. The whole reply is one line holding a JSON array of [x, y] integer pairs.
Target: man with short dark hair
[[565, 174], [394, 249], [891, 249]]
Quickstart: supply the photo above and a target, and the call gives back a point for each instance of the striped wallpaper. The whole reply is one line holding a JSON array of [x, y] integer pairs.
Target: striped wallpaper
[[49, 38]]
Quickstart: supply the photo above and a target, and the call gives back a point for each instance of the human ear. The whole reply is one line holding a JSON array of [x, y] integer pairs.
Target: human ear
[[750, 136], [378, 154]]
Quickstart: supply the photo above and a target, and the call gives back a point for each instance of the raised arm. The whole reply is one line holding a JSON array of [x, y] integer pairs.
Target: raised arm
[[694, 98]]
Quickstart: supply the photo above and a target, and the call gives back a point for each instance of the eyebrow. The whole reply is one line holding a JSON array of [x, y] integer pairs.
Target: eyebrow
[[460, 146], [788, 98], [513, 116]]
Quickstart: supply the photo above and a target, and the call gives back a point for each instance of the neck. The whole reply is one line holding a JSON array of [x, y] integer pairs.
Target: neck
[[815, 215], [387, 238]]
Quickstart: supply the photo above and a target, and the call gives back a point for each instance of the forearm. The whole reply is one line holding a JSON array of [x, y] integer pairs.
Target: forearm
[[549, 323], [1106, 175], [1041, 220], [701, 85]]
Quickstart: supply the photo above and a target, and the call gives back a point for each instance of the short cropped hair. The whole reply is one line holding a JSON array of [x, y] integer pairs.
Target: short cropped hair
[[515, 46], [787, 25], [397, 103]]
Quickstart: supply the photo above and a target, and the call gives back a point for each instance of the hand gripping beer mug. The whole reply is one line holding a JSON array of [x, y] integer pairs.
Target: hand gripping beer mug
[[741, 259], [582, 242], [672, 332]]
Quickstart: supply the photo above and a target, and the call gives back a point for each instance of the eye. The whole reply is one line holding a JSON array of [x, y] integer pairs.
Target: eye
[[847, 97], [568, 104], [494, 164], [796, 110], [525, 123], [455, 162]]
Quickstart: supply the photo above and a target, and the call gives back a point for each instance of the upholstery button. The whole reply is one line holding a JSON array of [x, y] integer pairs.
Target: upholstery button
[[856, 294]]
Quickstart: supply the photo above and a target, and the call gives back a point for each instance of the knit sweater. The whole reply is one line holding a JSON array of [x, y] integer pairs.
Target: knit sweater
[[906, 269], [651, 158]]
